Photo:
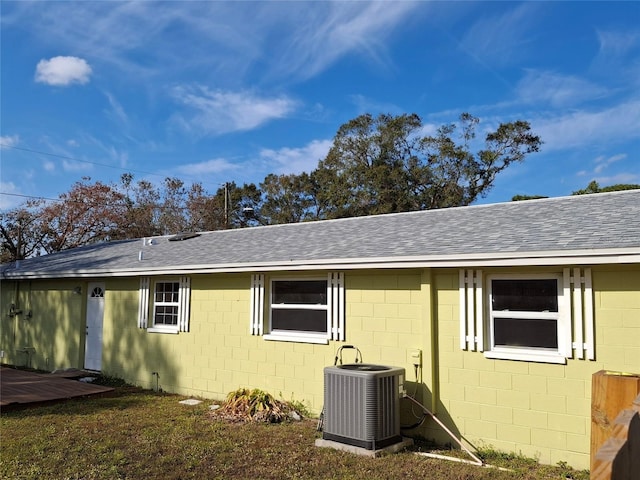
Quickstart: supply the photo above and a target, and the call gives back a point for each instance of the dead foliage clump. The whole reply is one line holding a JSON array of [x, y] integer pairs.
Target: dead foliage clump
[[244, 405]]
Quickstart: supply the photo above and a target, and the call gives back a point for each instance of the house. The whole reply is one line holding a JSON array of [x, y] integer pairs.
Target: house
[[505, 309]]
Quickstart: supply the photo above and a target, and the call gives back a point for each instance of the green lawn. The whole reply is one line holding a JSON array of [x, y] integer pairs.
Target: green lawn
[[139, 434]]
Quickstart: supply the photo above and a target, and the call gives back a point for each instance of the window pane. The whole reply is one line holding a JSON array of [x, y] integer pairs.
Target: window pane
[[519, 332], [166, 315], [525, 295], [167, 292], [299, 320], [300, 292]]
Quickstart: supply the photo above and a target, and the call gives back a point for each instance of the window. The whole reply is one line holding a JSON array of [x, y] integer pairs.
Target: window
[[168, 305], [540, 317], [307, 310], [525, 317]]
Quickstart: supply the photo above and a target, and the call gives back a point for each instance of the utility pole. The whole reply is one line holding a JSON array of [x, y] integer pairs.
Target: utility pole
[[226, 205]]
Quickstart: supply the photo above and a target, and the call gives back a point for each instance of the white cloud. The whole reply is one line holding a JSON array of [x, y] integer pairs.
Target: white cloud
[[213, 166], [603, 162], [297, 160], [49, 166], [117, 111], [9, 201], [584, 128], [8, 141], [617, 44], [499, 39], [333, 30], [216, 112], [63, 71], [71, 166], [619, 178], [556, 89]]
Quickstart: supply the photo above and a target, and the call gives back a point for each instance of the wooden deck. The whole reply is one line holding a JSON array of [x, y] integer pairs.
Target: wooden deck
[[21, 388]]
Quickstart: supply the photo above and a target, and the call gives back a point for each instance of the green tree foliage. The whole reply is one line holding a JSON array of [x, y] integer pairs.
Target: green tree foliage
[[520, 198], [386, 164], [593, 187], [287, 199]]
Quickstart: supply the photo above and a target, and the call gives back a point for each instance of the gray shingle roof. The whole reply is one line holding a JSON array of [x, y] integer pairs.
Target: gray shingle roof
[[587, 226]]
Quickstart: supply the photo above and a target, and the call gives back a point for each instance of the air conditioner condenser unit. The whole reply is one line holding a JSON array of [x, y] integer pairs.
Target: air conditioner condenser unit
[[362, 405]]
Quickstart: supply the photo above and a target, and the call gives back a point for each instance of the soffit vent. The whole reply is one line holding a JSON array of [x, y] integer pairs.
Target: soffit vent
[[183, 236]]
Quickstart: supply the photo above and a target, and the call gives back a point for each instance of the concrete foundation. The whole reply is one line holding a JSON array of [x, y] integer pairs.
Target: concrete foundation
[[396, 447]]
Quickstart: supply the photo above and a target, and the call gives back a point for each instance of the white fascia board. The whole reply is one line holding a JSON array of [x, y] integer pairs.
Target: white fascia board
[[509, 259]]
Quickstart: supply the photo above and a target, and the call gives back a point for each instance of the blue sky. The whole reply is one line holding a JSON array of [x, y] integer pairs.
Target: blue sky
[[231, 91]]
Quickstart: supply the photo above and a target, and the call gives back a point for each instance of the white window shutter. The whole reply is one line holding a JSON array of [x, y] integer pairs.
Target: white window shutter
[[462, 289], [588, 315], [471, 310], [185, 302], [565, 338], [479, 339], [256, 308], [336, 306], [577, 314], [143, 303]]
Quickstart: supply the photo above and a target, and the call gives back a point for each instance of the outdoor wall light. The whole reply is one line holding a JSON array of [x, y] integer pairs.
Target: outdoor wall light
[[77, 290]]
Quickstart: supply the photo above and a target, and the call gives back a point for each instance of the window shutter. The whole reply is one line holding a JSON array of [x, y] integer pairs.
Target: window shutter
[[256, 309], [336, 305], [184, 310], [471, 310], [579, 286], [143, 303]]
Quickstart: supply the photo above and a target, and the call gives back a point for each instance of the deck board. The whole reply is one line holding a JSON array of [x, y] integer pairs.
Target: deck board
[[20, 387]]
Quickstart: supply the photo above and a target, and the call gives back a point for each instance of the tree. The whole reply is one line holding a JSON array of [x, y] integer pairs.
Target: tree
[[520, 198], [88, 213], [173, 208], [21, 232], [593, 187], [385, 164], [287, 198], [141, 217]]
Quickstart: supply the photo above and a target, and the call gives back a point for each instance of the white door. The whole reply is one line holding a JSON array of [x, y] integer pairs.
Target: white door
[[95, 315]]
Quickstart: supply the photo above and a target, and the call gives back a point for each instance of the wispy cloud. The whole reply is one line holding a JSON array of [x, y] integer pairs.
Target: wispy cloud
[[584, 128], [282, 40], [117, 111], [9, 201], [8, 141], [369, 105], [329, 31], [213, 166], [63, 71], [603, 162], [297, 160], [556, 89], [499, 39], [213, 112]]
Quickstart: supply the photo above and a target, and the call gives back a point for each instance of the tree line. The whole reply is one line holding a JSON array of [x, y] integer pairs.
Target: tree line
[[376, 165]]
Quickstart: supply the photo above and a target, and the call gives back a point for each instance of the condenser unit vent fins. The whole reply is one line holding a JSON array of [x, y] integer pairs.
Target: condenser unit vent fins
[[362, 405]]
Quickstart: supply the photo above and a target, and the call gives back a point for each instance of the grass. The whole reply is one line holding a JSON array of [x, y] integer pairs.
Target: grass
[[141, 434]]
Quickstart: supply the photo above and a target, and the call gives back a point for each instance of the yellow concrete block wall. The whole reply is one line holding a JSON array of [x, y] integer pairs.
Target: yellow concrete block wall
[[540, 410], [44, 333]]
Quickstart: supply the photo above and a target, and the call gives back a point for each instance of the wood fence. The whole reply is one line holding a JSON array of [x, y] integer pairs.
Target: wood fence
[[615, 426]]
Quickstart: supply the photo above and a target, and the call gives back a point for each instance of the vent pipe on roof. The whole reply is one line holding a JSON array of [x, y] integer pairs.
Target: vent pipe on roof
[[140, 256]]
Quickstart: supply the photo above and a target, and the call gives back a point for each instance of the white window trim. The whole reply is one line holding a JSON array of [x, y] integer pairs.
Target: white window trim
[[531, 353], [335, 310], [293, 335], [575, 317], [146, 309]]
